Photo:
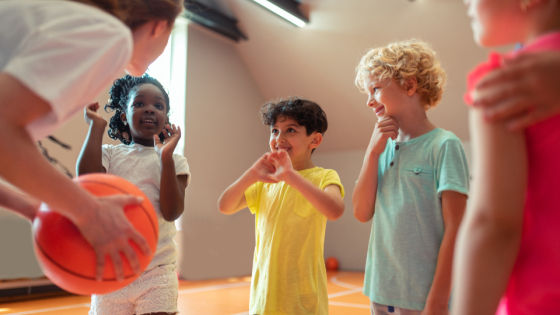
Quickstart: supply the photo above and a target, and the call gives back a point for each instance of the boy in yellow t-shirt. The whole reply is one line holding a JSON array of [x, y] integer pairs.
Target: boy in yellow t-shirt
[[292, 200]]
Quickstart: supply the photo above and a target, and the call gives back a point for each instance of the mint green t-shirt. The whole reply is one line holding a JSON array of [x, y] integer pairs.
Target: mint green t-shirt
[[408, 227]]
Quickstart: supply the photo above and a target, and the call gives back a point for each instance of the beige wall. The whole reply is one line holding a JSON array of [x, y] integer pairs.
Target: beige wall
[[223, 137]]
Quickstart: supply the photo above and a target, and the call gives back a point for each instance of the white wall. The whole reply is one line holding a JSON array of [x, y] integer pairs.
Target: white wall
[[224, 136]]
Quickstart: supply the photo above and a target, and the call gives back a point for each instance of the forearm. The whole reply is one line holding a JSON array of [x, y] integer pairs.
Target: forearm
[[330, 206], [15, 200], [365, 192], [24, 167], [233, 198], [438, 298], [90, 157], [171, 197]]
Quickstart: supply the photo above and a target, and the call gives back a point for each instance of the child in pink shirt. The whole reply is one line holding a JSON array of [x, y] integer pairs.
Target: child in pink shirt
[[509, 245]]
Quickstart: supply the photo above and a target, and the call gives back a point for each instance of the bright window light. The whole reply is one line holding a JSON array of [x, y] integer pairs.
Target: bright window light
[[274, 8], [170, 69]]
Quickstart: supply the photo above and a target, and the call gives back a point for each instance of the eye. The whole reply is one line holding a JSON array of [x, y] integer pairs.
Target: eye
[[291, 130], [138, 104], [160, 106], [274, 131]]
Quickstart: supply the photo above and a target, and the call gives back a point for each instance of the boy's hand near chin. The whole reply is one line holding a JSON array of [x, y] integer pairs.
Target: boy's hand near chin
[[262, 170], [385, 128], [283, 165]]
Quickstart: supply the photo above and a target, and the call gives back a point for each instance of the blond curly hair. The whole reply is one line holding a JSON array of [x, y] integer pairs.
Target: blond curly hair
[[401, 61]]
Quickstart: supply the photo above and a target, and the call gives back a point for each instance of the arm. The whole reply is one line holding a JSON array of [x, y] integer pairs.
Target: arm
[[453, 207], [90, 158], [522, 92], [233, 198], [100, 220], [17, 201], [328, 201], [488, 241], [365, 192]]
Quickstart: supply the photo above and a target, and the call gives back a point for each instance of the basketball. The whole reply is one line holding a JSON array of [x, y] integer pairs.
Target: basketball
[[331, 264], [68, 260]]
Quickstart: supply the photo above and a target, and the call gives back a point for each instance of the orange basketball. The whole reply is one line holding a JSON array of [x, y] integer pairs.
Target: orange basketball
[[68, 260], [331, 264]]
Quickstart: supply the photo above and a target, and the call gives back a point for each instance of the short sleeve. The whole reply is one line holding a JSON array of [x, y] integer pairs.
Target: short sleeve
[[331, 178], [68, 59], [453, 170], [107, 151], [181, 166], [253, 196]]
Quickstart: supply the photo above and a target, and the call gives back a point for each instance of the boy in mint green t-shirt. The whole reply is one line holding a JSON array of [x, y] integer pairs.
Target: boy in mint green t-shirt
[[414, 179]]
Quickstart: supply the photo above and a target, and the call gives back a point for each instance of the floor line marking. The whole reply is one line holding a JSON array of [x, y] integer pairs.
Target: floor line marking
[[214, 287], [243, 313], [334, 280], [333, 295], [349, 304], [52, 309]]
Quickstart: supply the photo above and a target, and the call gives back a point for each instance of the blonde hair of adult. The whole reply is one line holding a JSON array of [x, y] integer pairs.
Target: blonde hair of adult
[[401, 61]]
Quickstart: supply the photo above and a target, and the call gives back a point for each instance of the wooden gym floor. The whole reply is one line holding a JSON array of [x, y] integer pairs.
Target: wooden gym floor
[[220, 297]]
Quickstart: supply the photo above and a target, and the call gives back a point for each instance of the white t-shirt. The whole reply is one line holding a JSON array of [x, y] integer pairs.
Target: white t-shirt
[[141, 166], [65, 52]]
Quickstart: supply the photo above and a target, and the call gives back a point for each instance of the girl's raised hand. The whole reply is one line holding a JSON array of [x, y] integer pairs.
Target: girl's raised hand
[[262, 169], [91, 115], [384, 129], [171, 136], [283, 164], [522, 92]]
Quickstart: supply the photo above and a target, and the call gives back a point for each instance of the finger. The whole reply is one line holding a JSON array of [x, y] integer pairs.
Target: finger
[[156, 140], [500, 75], [117, 263], [508, 109], [497, 93], [141, 242], [523, 121], [99, 265], [130, 255], [126, 200]]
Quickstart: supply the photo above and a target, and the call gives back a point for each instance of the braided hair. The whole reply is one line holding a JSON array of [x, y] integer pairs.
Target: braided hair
[[118, 102]]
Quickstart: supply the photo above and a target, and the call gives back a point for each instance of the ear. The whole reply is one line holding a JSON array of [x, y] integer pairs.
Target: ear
[[410, 86], [317, 139], [123, 117], [159, 27]]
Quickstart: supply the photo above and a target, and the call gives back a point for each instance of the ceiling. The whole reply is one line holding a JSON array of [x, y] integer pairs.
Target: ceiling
[[318, 61]]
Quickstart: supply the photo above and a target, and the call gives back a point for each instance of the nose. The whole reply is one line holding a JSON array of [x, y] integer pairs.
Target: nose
[[149, 110], [371, 102]]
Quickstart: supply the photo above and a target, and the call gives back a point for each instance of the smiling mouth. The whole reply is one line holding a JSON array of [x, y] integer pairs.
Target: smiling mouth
[[379, 110], [148, 121], [283, 148]]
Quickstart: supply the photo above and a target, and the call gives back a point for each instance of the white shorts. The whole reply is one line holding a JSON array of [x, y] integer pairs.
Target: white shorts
[[155, 291], [380, 309]]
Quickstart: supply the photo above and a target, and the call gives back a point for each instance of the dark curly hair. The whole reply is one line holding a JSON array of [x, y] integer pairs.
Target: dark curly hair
[[303, 112], [118, 102]]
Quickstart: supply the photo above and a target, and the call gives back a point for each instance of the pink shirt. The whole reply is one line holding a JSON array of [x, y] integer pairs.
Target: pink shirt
[[534, 285]]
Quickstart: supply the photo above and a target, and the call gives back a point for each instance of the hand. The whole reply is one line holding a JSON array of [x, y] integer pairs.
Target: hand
[[171, 136], [522, 92], [283, 164], [91, 115], [435, 311], [384, 129], [262, 169], [108, 230]]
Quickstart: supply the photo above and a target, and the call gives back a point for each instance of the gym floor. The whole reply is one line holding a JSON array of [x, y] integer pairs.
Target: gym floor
[[221, 297]]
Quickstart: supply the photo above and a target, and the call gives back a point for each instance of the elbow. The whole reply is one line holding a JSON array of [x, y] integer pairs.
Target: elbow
[[337, 213], [361, 215], [504, 228], [222, 207]]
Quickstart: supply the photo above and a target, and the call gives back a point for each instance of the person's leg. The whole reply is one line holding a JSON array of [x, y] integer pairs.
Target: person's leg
[[158, 292], [403, 311], [115, 303]]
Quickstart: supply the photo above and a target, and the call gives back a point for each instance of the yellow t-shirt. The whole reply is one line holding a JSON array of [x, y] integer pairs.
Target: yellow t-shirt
[[289, 274]]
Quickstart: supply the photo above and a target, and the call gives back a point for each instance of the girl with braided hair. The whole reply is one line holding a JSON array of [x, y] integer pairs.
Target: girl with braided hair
[[55, 58], [146, 159]]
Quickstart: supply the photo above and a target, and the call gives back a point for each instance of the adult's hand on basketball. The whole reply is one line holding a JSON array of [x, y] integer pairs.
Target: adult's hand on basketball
[[91, 115], [171, 135], [522, 92], [108, 230], [385, 128]]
